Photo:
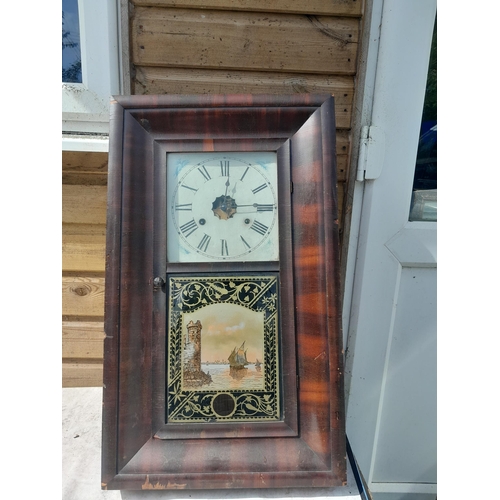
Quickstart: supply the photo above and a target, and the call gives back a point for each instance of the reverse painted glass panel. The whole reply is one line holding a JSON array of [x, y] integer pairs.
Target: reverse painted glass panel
[[223, 349]]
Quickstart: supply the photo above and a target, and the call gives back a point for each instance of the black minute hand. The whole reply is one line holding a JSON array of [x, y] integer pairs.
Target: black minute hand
[[227, 182], [259, 206]]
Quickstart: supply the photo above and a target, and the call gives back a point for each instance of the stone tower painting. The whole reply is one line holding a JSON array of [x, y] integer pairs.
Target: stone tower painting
[[192, 375]]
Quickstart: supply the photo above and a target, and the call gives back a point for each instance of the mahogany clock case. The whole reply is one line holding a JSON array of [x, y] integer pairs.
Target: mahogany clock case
[[298, 441]]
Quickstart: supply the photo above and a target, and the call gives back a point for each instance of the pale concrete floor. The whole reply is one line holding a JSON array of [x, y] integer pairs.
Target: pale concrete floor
[[81, 462]]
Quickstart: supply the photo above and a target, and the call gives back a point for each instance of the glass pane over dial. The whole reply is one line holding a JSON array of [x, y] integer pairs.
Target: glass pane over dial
[[222, 207]]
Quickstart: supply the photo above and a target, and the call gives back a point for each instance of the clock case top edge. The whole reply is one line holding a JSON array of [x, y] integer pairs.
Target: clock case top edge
[[220, 100]]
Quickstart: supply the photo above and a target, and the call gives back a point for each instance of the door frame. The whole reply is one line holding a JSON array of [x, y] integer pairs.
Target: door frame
[[395, 60]]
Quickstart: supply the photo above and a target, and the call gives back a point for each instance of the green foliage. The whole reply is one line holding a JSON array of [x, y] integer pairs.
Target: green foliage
[[74, 72]]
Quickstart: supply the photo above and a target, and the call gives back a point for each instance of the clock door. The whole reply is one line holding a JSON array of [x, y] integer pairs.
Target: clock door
[[230, 345]]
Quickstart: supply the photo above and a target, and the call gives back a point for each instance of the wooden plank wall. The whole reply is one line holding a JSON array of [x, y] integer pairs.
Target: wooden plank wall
[[200, 47], [84, 177], [250, 46]]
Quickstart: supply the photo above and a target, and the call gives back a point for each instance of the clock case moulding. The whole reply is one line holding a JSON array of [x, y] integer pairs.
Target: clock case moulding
[[306, 447]]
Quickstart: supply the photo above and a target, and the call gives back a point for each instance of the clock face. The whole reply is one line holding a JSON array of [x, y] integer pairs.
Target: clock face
[[222, 207]]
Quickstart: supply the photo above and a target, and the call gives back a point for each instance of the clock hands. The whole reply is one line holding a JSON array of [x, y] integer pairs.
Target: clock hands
[[224, 206], [260, 207]]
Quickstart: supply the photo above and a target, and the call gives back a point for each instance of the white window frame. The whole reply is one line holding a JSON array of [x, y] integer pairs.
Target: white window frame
[[85, 106]]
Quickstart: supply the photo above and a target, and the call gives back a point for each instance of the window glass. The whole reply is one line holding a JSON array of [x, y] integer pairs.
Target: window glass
[[71, 54], [424, 197]]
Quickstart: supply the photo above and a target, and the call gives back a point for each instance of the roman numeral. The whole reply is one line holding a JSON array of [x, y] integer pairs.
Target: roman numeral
[[260, 188], [224, 168], [265, 208], [203, 171], [244, 173], [184, 207], [244, 242], [258, 227], [187, 187], [189, 228], [223, 248], [203, 245]]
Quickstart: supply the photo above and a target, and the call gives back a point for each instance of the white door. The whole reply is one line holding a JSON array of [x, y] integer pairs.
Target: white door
[[391, 330]]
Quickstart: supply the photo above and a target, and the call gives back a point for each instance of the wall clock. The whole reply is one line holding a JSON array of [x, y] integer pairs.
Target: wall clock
[[223, 349]]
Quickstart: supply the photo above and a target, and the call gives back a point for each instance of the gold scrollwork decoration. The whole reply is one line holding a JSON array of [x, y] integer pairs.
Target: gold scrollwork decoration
[[191, 396]]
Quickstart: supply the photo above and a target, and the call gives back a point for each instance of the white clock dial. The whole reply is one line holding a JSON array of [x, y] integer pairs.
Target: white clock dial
[[222, 206]]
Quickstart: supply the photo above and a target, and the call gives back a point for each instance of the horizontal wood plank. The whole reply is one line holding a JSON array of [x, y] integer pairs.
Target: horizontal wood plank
[[85, 161], [83, 247], [82, 374], [82, 297], [83, 340], [84, 204], [331, 7], [244, 40], [83, 167], [85, 178], [156, 80]]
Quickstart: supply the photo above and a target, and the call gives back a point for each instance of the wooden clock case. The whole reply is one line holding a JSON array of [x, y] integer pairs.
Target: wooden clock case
[[307, 447]]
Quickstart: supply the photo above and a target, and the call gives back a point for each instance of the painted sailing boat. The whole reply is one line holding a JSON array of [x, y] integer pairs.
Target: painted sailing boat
[[257, 363], [238, 357]]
